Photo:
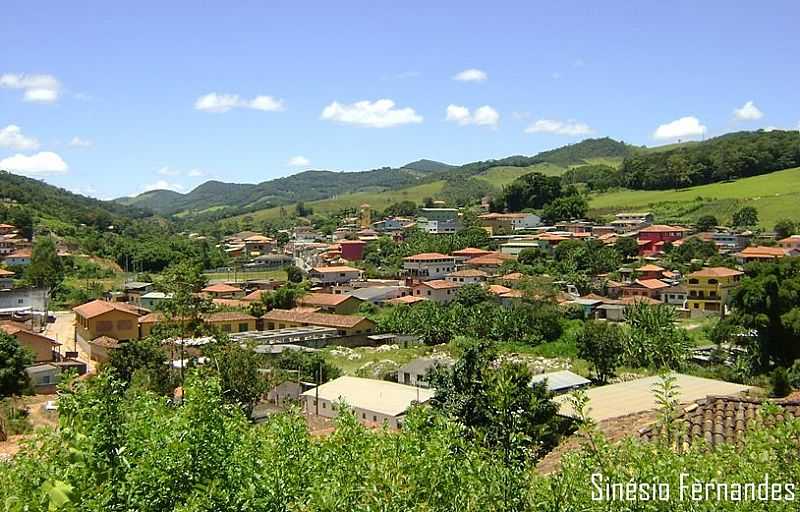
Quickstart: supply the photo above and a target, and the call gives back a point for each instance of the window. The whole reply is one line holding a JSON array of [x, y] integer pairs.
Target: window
[[712, 281], [375, 419], [226, 328], [323, 405], [693, 281], [123, 325], [363, 415], [243, 327], [105, 326]]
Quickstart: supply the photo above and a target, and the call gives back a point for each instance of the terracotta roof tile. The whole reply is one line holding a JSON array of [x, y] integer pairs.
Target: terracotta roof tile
[[100, 307], [322, 319]]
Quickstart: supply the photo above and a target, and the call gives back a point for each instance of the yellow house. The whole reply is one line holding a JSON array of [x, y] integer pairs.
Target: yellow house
[[225, 321], [346, 325], [102, 318], [709, 289], [330, 303], [45, 350]]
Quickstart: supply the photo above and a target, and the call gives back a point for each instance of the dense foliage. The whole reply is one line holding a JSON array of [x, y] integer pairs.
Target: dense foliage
[[728, 157], [13, 361]]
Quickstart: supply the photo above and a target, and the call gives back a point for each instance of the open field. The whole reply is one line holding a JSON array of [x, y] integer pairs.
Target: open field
[[503, 175], [775, 196], [279, 275]]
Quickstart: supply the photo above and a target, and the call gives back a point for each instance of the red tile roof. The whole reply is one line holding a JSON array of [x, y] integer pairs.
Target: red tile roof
[[341, 268], [14, 328], [428, 256], [662, 228], [101, 307], [651, 284], [321, 319], [221, 288], [440, 284], [716, 272], [323, 299], [490, 259], [407, 299], [470, 251]]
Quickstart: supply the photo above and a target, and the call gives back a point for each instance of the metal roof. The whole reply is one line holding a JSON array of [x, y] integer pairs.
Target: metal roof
[[561, 381], [383, 397]]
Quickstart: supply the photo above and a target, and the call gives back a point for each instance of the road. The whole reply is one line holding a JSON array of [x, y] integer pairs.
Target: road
[[63, 331]]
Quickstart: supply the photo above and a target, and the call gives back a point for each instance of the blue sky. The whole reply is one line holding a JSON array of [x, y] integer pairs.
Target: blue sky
[[111, 99]]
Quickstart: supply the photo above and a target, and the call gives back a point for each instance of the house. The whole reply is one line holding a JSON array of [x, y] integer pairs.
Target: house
[[653, 238], [18, 258], [287, 392], [498, 223], [6, 279], [439, 214], [305, 234], [8, 244], [133, 290], [224, 321], [760, 253], [675, 295], [345, 325], [100, 348], [7, 229], [468, 276], [152, 300], [645, 288], [636, 396], [352, 250], [468, 253], [44, 349], [515, 247], [44, 377], [327, 276], [222, 291], [415, 372], [380, 294], [258, 245], [393, 224], [428, 265], [443, 227], [631, 221], [650, 271], [408, 300], [790, 243], [372, 401], [489, 263], [330, 303], [102, 318], [729, 241], [709, 289], [437, 290], [561, 382]]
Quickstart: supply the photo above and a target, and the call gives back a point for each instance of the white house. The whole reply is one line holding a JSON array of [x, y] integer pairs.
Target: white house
[[372, 401]]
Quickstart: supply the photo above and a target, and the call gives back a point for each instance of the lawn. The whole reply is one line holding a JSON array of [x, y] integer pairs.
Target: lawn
[[503, 175], [775, 196], [279, 275], [376, 359]]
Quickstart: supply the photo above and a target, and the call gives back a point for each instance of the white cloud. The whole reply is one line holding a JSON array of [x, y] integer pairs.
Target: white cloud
[[555, 75], [569, 127], [748, 112], [374, 114], [167, 171], [688, 126], [195, 173], [37, 88], [12, 137], [214, 102], [163, 185], [77, 142], [45, 162], [482, 116], [471, 75], [298, 161]]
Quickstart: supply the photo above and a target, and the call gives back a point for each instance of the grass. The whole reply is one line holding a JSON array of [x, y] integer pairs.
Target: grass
[[350, 361], [775, 196], [503, 175], [279, 275], [378, 200]]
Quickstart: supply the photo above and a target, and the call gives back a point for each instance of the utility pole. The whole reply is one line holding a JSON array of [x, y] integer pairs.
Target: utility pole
[[316, 390]]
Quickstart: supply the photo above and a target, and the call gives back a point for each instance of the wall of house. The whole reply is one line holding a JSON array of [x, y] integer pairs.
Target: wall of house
[[115, 324], [39, 345], [327, 409]]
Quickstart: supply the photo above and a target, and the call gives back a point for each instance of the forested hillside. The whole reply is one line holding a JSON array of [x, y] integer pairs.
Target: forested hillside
[[728, 157]]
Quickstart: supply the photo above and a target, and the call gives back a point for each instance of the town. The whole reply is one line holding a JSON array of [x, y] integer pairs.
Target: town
[[429, 257]]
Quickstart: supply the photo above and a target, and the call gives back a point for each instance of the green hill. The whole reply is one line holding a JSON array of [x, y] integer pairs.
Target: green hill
[[775, 196], [216, 199]]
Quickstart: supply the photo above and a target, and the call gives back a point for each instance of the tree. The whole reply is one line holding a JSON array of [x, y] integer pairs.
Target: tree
[[309, 366], [294, 274], [627, 247], [531, 256], [13, 360], [767, 303], [472, 294], [46, 269], [785, 228], [532, 190], [573, 206], [653, 339], [240, 374], [706, 223], [745, 217], [496, 402], [601, 343], [302, 210], [145, 357]]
